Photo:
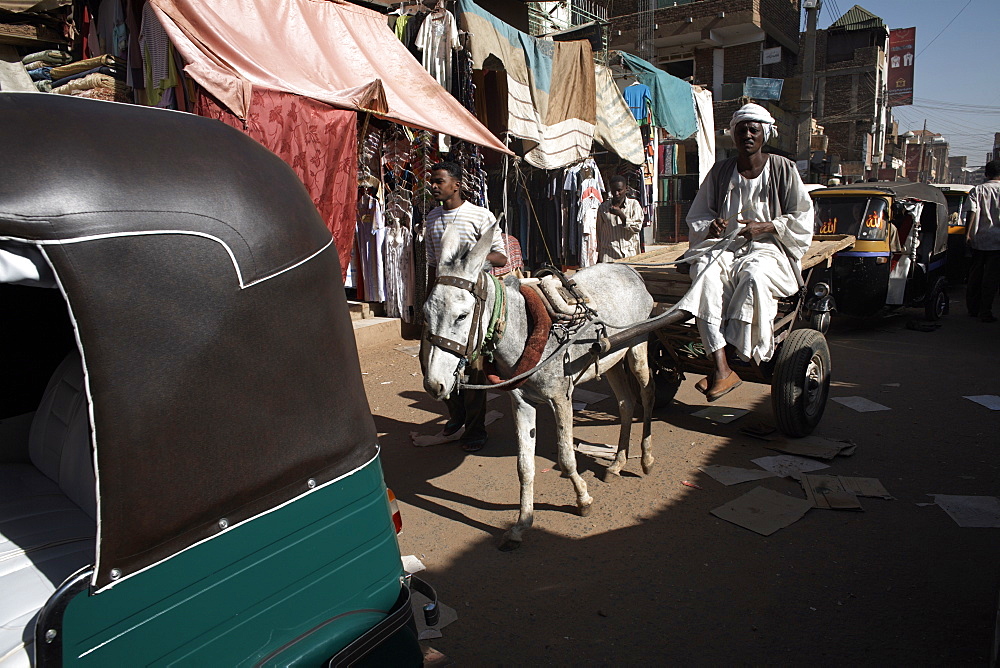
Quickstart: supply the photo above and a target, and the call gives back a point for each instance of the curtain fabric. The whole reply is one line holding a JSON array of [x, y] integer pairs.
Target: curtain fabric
[[316, 140]]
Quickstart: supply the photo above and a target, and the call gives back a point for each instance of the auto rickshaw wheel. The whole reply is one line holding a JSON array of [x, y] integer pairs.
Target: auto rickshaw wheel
[[801, 382], [820, 322], [936, 304], [666, 378]]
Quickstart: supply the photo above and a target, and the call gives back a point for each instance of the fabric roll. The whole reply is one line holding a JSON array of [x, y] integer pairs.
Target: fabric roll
[[117, 94], [50, 57], [95, 80], [82, 66], [40, 73], [44, 86], [110, 71], [34, 65]]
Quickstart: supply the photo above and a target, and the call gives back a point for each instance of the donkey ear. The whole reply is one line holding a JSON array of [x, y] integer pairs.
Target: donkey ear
[[475, 257]]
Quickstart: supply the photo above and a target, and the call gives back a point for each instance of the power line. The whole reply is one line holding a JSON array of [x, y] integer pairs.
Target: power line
[[945, 28]]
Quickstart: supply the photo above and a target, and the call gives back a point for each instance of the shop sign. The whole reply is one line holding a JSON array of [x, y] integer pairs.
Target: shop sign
[[772, 55], [901, 56], [763, 89]]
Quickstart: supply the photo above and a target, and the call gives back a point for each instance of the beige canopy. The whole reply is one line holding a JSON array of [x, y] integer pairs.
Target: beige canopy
[[329, 50]]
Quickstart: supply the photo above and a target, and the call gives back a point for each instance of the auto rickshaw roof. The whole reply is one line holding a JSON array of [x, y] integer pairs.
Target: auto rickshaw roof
[[219, 359], [902, 189]]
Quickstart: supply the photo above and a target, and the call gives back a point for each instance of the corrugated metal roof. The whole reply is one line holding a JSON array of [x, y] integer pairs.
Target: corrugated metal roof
[[858, 18]]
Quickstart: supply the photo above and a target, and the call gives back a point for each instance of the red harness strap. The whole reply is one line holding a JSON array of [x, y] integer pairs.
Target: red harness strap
[[540, 324]]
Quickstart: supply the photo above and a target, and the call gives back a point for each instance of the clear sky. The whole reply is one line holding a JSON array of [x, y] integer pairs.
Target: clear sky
[[957, 72]]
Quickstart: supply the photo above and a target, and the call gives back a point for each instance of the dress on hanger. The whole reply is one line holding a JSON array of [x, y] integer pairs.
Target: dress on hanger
[[437, 39], [371, 238]]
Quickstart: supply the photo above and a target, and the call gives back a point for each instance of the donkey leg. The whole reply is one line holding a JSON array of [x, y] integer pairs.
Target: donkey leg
[[524, 422], [562, 407], [638, 362], [626, 409]]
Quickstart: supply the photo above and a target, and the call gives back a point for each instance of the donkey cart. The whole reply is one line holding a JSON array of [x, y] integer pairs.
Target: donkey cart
[[799, 370]]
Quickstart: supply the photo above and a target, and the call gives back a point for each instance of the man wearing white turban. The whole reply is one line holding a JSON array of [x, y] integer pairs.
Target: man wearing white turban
[[735, 303]]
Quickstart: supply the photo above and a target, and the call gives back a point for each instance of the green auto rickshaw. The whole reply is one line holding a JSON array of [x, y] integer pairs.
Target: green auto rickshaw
[[189, 470]]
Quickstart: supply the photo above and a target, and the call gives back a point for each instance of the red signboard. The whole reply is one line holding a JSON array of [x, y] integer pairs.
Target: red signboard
[[901, 55]]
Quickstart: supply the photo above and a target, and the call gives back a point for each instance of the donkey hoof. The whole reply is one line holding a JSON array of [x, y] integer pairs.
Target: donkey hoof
[[647, 466], [509, 545], [610, 476], [585, 511]]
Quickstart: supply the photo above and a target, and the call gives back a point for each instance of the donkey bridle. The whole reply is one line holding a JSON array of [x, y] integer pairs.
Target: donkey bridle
[[469, 349]]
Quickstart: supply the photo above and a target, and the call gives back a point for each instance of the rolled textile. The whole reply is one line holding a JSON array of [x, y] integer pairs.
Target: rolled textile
[[82, 66], [44, 86], [111, 71], [36, 64], [49, 57], [95, 80], [40, 74], [119, 93]]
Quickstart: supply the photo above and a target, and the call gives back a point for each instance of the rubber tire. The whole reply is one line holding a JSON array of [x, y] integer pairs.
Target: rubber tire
[[936, 304], [666, 379], [796, 410], [820, 322]]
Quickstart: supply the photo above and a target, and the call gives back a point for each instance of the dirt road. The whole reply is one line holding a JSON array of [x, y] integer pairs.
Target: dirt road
[[652, 576]]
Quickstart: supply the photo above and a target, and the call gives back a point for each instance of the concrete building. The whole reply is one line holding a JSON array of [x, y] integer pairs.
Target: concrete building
[[995, 153], [957, 168], [926, 157], [718, 44], [851, 71]]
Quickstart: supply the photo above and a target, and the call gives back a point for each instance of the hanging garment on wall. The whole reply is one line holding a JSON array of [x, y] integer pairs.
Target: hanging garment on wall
[[159, 72], [671, 98], [638, 100], [706, 131], [551, 87], [590, 203], [399, 274], [615, 129], [437, 40], [371, 239]]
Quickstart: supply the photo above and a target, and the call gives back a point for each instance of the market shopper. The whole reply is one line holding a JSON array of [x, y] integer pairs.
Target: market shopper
[[619, 223], [465, 407], [983, 237], [735, 301]]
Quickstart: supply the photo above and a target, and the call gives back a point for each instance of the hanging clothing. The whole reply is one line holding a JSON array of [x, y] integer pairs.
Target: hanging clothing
[[371, 239], [638, 100], [614, 129], [671, 98], [437, 39], [736, 302], [590, 203], [399, 274], [159, 72]]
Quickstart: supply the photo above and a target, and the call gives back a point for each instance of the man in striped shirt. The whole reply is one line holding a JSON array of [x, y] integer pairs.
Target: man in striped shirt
[[468, 407]]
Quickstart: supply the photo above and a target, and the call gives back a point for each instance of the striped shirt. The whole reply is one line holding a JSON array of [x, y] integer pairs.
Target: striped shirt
[[471, 220]]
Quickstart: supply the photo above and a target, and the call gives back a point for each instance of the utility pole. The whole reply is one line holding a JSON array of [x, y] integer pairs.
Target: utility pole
[[804, 152], [920, 168]]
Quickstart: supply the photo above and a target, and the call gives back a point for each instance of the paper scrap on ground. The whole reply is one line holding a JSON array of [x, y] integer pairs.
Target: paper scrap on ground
[[841, 492], [991, 401], [579, 405], [588, 397], [761, 430], [599, 450], [734, 475], [971, 511], [721, 414], [412, 349], [492, 417], [788, 466], [424, 632], [815, 446], [763, 510], [412, 565], [422, 441], [860, 404]]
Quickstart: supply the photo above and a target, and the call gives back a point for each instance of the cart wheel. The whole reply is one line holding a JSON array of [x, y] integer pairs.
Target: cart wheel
[[936, 304], [820, 322], [666, 378], [801, 382]]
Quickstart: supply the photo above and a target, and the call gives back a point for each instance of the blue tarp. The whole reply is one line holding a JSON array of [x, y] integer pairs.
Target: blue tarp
[[672, 99]]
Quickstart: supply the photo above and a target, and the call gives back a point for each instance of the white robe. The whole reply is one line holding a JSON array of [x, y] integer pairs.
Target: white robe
[[736, 301]]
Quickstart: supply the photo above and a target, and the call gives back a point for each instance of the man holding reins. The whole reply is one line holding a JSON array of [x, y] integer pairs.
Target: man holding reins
[[761, 195]]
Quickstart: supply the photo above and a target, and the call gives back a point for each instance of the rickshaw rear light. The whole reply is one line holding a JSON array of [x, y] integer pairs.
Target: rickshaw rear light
[[881, 259], [821, 290], [397, 519]]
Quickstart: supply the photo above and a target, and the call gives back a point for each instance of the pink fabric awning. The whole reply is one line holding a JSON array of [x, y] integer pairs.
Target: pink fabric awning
[[328, 50]]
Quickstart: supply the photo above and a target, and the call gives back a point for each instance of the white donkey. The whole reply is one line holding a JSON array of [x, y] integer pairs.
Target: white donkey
[[619, 297]]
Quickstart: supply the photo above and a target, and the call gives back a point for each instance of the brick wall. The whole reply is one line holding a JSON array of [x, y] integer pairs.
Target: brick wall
[[783, 14]]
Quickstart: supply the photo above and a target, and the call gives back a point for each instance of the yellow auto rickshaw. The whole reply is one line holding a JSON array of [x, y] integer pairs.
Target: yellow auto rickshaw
[[899, 258], [959, 258]]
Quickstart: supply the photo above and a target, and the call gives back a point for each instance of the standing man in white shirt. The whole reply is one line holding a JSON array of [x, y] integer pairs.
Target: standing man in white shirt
[[619, 223], [983, 236], [467, 407]]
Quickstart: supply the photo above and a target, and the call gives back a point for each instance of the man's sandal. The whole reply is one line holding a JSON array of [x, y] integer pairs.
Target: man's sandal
[[474, 445], [724, 386]]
